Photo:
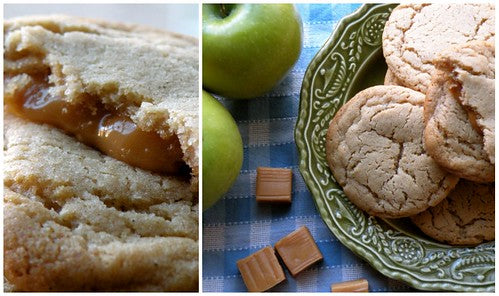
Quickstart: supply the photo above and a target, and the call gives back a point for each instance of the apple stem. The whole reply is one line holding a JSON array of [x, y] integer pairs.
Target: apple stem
[[224, 10]]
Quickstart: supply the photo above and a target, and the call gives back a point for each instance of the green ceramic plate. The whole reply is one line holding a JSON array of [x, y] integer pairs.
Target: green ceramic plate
[[352, 60]]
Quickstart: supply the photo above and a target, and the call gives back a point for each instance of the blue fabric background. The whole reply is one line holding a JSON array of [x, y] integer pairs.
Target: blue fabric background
[[237, 226]]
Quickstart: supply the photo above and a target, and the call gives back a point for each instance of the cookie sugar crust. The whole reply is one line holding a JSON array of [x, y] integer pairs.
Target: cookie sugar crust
[[75, 219], [375, 151], [465, 217], [151, 73], [391, 79], [415, 33]]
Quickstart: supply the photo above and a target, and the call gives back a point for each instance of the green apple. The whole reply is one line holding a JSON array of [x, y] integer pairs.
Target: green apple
[[248, 48], [222, 150]]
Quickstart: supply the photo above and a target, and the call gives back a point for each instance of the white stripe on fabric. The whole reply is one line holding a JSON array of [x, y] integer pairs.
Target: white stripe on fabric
[[213, 285], [349, 273], [329, 267], [268, 132], [258, 247], [216, 239], [259, 221], [260, 233], [307, 280]]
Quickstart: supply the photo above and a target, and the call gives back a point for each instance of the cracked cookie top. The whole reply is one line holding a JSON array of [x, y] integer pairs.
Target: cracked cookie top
[[465, 217], [375, 151], [415, 33]]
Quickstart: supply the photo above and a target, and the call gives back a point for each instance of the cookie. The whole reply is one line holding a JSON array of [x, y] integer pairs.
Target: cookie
[[415, 33], [113, 61], [453, 135], [465, 217], [471, 68], [375, 151], [75, 218], [391, 79]]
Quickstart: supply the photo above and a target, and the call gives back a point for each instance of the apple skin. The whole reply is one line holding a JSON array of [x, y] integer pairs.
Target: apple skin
[[222, 150], [251, 50]]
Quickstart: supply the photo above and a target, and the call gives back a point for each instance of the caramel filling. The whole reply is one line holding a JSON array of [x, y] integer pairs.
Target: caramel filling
[[111, 132]]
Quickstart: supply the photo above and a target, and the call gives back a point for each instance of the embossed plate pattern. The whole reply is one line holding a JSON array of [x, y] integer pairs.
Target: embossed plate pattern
[[352, 60]]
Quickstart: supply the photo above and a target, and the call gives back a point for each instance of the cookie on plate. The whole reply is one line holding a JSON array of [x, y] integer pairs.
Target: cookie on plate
[[415, 33], [459, 111], [82, 213], [465, 217], [375, 151]]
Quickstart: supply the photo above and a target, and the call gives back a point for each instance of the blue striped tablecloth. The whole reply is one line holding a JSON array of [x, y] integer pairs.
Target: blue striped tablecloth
[[237, 226]]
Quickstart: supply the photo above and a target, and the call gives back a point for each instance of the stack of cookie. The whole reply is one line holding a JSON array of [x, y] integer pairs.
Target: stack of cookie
[[422, 145]]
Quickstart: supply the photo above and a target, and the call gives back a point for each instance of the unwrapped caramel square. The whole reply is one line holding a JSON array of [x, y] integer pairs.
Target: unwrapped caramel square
[[273, 184], [261, 270], [298, 250], [360, 285]]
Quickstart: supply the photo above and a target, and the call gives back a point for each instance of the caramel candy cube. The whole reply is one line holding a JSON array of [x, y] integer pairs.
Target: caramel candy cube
[[273, 185], [360, 285], [298, 250], [261, 270]]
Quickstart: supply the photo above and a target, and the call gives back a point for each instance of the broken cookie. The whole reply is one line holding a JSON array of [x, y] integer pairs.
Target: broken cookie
[[459, 111], [101, 156]]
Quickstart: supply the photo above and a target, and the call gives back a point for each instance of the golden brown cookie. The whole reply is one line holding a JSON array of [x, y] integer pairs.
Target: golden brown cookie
[[459, 111], [465, 217], [149, 75], [375, 151], [75, 218], [415, 33]]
